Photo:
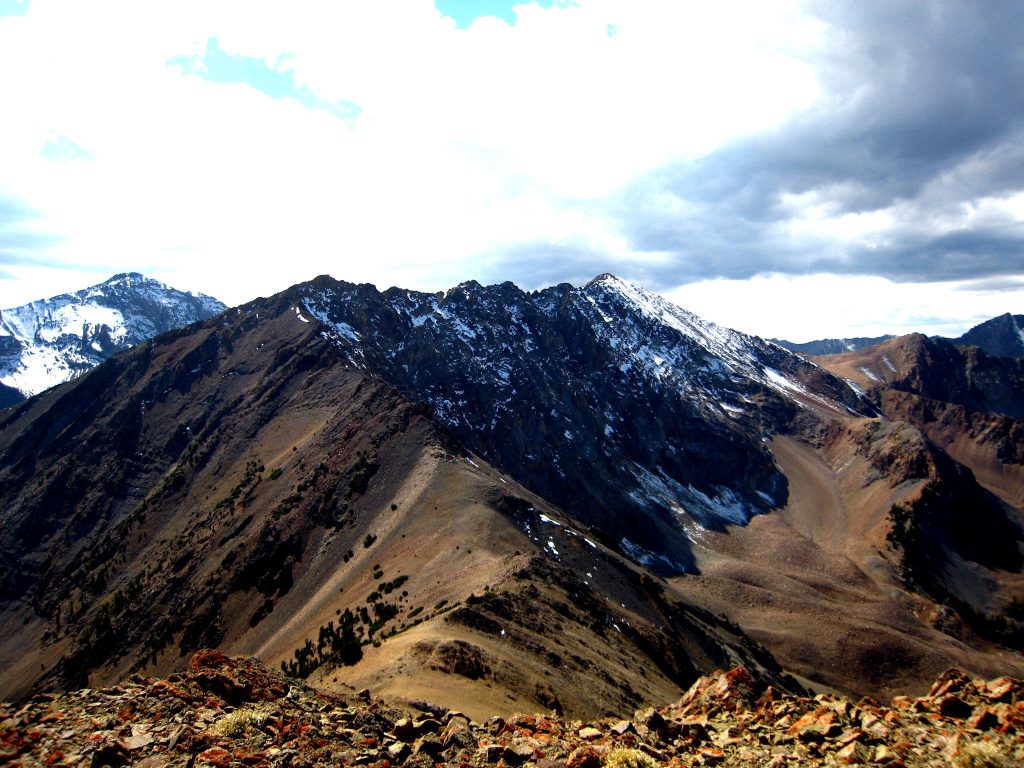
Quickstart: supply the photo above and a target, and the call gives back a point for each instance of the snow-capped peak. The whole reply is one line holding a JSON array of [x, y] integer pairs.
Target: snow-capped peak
[[650, 333], [50, 341]]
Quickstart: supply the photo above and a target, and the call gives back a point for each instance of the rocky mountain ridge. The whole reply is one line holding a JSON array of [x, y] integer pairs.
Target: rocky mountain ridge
[[625, 410], [831, 346], [237, 483], [938, 370], [1001, 336], [50, 341], [234, 712], [358, 486]]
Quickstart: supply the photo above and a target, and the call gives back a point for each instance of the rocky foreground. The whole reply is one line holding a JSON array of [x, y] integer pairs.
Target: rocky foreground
[[235, 712]]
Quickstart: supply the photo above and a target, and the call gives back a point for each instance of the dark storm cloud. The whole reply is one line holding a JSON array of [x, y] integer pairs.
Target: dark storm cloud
[[959, 256], [994, 285], [922, 116]]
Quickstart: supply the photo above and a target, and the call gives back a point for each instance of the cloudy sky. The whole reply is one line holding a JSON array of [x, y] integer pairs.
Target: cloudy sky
[[793, 169]]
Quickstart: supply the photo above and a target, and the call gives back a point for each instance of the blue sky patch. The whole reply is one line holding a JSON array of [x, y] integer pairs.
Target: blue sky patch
[[64, 150], [275, 80], [14, 7], [465, 12]]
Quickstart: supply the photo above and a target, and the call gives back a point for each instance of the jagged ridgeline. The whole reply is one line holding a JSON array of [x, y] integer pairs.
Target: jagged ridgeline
[[246, 484], [487, 495]]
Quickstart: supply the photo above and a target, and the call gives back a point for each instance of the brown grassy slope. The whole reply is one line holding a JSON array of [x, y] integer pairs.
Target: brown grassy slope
[[966, 402], [968, 405], [819, 583], [820, 586], [241, 485]]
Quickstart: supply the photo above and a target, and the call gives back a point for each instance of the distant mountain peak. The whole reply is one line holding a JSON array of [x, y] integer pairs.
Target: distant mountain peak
[[832, 346], [50, 341], [1002, 336]]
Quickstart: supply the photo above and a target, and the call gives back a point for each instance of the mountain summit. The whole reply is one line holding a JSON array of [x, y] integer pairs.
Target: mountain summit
[[50, 341]]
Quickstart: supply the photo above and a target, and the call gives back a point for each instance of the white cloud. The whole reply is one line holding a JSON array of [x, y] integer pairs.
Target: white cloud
[[468, 141], [470, 144], [807, 307]]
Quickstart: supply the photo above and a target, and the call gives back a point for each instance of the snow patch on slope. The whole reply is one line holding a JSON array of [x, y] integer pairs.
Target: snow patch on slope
[[645, 557], [40, 368], [321, 313], [726, 506]]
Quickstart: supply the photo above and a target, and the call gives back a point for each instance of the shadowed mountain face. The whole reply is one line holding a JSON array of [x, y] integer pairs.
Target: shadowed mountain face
[[1001, 336], [9, 396], [240, 484], [51, 341], [630, 413]]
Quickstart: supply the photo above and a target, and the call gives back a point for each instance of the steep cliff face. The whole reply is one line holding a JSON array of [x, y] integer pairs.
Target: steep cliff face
[[51, 341]]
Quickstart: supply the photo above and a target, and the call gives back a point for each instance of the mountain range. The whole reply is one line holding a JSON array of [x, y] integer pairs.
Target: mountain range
[[481, 496], [831, 346], [1002, 336]]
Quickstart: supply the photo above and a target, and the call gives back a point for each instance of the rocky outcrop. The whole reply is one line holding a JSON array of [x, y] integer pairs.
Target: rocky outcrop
[[234, 712], [937, 370]]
